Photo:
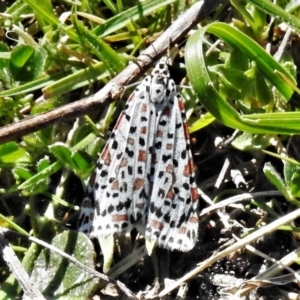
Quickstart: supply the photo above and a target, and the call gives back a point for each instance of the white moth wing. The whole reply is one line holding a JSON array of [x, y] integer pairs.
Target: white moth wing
[[117, 193], [173, 216]]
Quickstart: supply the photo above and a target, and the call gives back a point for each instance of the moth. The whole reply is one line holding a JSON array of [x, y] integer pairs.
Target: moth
[[145, 177]]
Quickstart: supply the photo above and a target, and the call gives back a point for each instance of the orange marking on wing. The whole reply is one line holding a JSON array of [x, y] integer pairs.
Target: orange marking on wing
[[193, 220], [115, 185], [138, 183], [170, 195], [119, 218], [142, 155], [182, 230], [105, 156], [144, 107], [119, 120], [130, 141], [194, 194], [156, 225], [192, 167], [170, 168], [131, 97], [143, 129], [181, 105], [93, 178], [123, 163], [186, 131], [169, 146], [159, 133], [187, 170]]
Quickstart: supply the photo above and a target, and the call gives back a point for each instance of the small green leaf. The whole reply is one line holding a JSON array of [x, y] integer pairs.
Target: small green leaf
[[261, 94], [4, 64], [238, 60], [275, 178], [43, 163], [77, 160], [81, 160], [26, 63], [253, 16], [63, 153], [295, 184], [251, 142], [202, 122], [292, 178], [42, 176], [11, 152], [23, 173]]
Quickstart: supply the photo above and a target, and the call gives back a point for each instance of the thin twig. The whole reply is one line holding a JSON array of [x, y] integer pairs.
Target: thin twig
[[9, 256], [238, 198]]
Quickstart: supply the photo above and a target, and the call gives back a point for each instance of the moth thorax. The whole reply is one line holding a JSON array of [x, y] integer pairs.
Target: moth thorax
[[158, 89]]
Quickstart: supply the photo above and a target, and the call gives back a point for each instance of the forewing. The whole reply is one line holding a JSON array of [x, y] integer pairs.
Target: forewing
[[117, 195], [173, 216]]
